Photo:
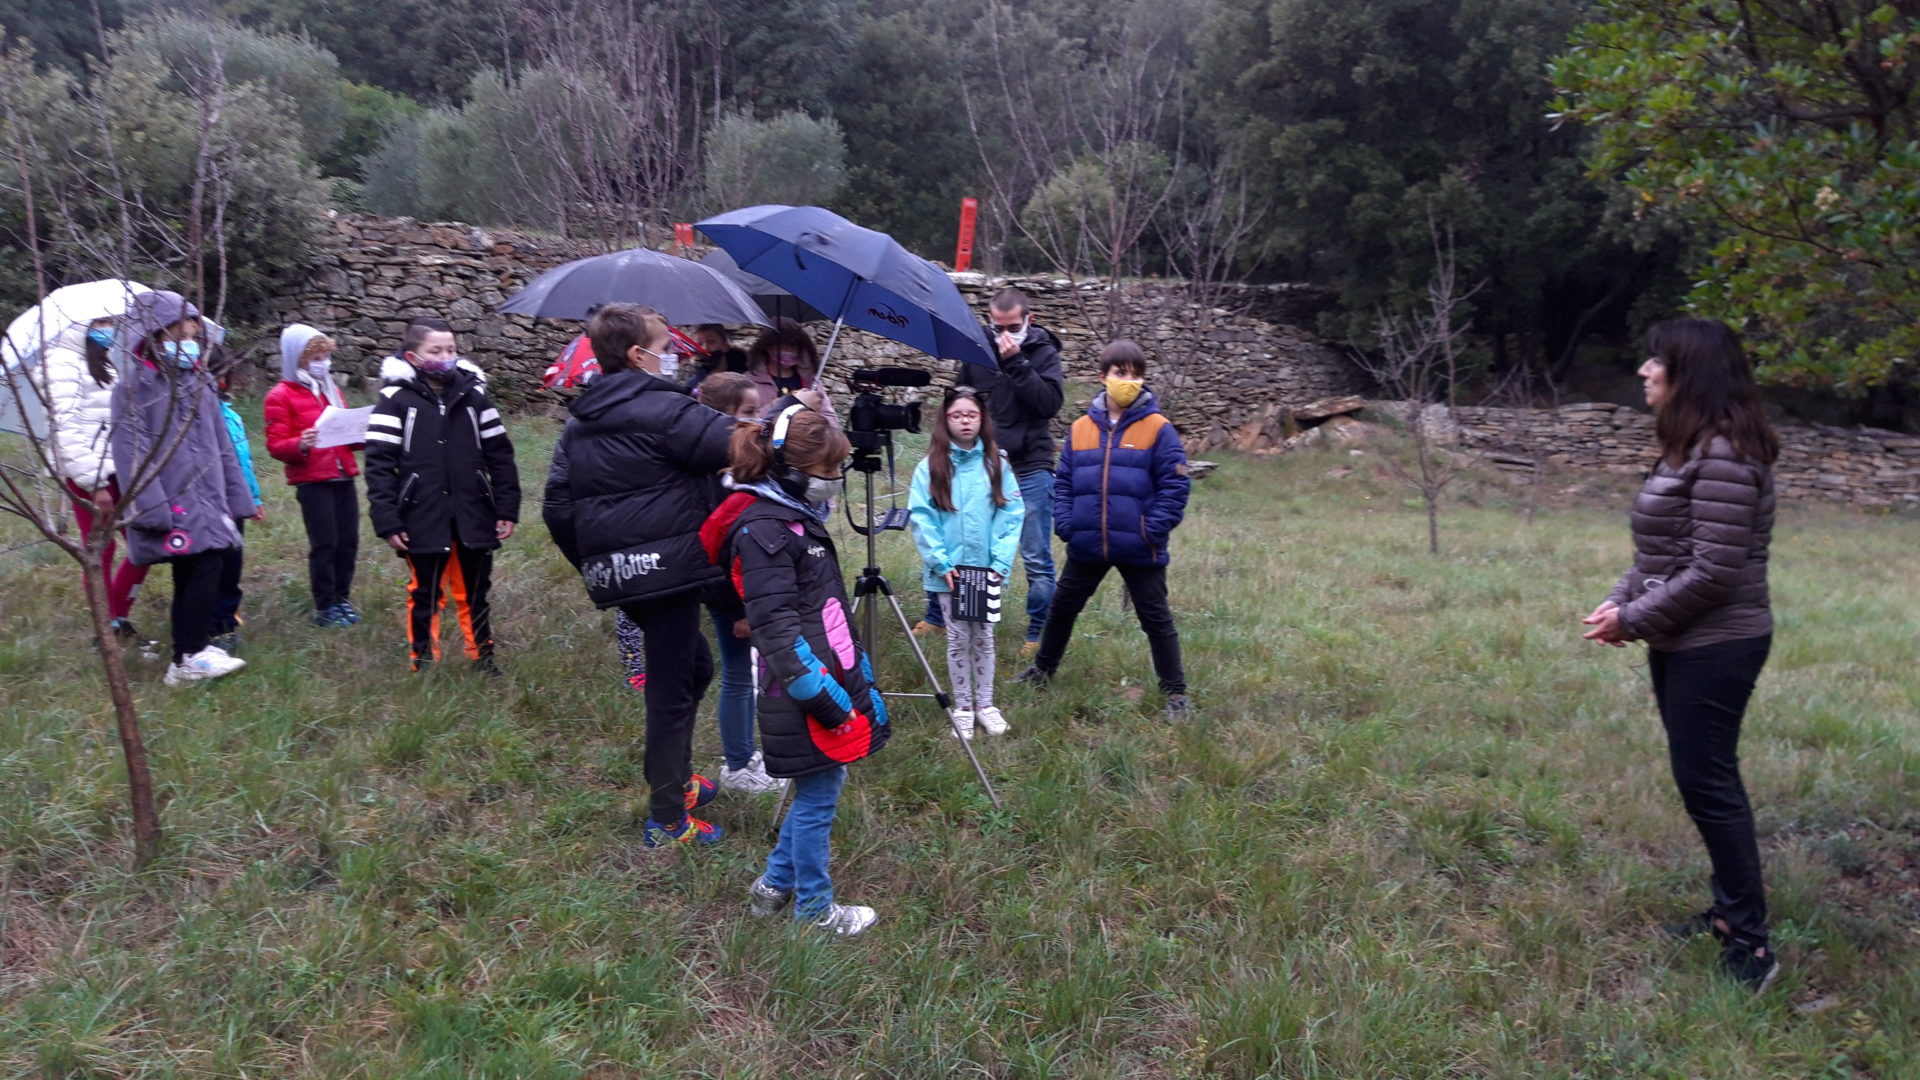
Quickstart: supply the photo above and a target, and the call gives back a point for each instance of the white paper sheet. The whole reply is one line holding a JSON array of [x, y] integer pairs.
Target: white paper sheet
[[342, 427]]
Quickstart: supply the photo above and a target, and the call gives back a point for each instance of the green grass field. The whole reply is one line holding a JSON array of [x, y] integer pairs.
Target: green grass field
[[1417, 829]]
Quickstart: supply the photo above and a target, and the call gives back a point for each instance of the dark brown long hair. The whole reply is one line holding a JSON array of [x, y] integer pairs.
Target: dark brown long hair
[[812, 441], [1710, 391], [785, 334], [99, 362], [940, 456]]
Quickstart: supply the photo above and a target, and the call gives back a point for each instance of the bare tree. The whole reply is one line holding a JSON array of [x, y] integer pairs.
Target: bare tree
[[1418, 362], [599, 134], [39, 178], [1071, 143], [1206, 239], [1521, 392]]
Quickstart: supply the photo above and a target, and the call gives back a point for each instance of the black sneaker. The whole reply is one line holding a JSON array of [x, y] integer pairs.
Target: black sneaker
[[130, 640], [1754, 969], [487, 667], [1033, 676], [1698, 926]]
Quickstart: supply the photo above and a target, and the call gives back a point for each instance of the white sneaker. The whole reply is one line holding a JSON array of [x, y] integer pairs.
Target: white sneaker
[[991, 721], [962, 719], [208, 663], [847, 920], [751, 779]]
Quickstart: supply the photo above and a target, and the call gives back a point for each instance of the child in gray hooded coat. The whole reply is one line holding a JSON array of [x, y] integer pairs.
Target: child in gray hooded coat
[[180, 480]]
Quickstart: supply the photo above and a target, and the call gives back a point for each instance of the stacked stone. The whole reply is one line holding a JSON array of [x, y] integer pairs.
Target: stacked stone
[[371, 275], [1227, 376], [1867, 467]]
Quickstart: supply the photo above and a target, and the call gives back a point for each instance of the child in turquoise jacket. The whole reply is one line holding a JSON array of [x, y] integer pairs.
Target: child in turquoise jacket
[[966, 511], [225, 630]]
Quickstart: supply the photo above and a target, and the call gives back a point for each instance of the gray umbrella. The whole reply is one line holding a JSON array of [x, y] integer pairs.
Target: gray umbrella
[[685, 291], [777, 302]]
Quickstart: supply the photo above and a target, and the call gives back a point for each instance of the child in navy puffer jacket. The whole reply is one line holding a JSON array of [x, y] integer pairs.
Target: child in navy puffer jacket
[[1119, 491]]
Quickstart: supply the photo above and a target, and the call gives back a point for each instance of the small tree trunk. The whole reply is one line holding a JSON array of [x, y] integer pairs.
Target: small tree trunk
[[1433, 522], [146, 819]]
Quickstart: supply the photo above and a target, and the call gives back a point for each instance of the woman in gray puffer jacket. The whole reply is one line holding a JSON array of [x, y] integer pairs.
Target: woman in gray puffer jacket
[[181, 484], [1697, 595]]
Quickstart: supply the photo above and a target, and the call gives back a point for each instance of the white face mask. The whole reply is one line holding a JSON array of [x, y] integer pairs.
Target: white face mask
[[819, 491], [319, 369], [669, 362]]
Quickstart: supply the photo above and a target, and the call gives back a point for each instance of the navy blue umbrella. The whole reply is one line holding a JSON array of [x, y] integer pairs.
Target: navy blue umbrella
[[777, 302], [856, 277]]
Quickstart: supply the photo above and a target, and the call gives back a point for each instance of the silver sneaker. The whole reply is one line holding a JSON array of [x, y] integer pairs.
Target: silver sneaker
[[763, 899], [209, 663], [752, 779], [991, 721], [847, 920], [963, 721]]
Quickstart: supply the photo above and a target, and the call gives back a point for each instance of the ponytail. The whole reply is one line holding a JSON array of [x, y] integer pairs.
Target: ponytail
[[812, 441]]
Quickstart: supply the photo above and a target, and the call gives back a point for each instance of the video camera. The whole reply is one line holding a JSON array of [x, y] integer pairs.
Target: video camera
[[870, 425], [872, 420]]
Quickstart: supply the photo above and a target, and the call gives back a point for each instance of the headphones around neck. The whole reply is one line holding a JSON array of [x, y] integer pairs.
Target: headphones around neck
[[780, 423]]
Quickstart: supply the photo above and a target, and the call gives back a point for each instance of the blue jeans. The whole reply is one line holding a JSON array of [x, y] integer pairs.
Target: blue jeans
[[736, 691], [1036, 552], [798, 862]]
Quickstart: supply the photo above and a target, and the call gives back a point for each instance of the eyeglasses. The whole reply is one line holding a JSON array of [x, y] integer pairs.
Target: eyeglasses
[[963, 416]]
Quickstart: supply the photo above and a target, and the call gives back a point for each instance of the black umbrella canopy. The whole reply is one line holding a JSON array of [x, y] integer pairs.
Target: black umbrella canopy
[[777, 302], [684, 291]]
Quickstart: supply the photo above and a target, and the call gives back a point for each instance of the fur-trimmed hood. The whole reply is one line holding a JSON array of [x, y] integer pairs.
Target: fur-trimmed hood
[[395, 371]]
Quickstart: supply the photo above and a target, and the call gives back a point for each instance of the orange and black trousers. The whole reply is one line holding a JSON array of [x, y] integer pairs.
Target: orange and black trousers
[[463, 576]]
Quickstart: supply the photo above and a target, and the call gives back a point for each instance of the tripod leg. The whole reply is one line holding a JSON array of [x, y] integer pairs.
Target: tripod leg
[[780, 809], [946, 701]]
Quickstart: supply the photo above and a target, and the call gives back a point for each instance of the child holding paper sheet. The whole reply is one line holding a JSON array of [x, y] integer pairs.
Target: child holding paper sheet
[[966, 511], [322, 476]]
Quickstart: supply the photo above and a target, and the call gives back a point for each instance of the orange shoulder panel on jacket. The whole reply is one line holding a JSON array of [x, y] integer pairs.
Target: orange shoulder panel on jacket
[[1143, 433], [1085, 434]]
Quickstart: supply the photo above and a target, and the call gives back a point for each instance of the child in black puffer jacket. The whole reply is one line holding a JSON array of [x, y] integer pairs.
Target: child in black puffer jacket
[[818, 707]]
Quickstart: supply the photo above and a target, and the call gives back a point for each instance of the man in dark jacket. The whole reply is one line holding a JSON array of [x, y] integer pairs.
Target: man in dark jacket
[[442, 488], [1023, 395], [632, 483]]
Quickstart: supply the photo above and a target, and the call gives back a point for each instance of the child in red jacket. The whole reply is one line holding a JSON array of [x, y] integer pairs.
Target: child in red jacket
[[322, 477]]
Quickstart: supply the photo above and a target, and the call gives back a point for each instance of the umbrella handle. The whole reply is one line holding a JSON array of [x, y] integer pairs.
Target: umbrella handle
[[831, 338]]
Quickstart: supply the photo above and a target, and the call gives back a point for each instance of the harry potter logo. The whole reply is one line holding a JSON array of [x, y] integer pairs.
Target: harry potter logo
[[619, 567]]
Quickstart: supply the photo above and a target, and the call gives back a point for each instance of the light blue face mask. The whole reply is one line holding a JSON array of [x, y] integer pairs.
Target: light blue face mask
[[185, 353], [101, 336]]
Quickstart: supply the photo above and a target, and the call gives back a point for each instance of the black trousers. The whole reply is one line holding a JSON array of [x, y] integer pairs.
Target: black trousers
[[1147, 585], [679, 668], [330, 509], [463, 576], [196, 596], [229, 594], [1703, 696]]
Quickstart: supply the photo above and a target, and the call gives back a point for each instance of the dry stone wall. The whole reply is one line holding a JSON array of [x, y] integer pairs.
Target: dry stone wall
[[373, 274], [1865, 467], [1236, 383]]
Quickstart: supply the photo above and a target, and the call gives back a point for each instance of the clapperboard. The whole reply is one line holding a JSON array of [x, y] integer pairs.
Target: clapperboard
[[976, 595]]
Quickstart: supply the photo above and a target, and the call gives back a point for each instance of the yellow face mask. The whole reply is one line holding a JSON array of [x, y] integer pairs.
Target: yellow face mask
[[1124, 392]]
